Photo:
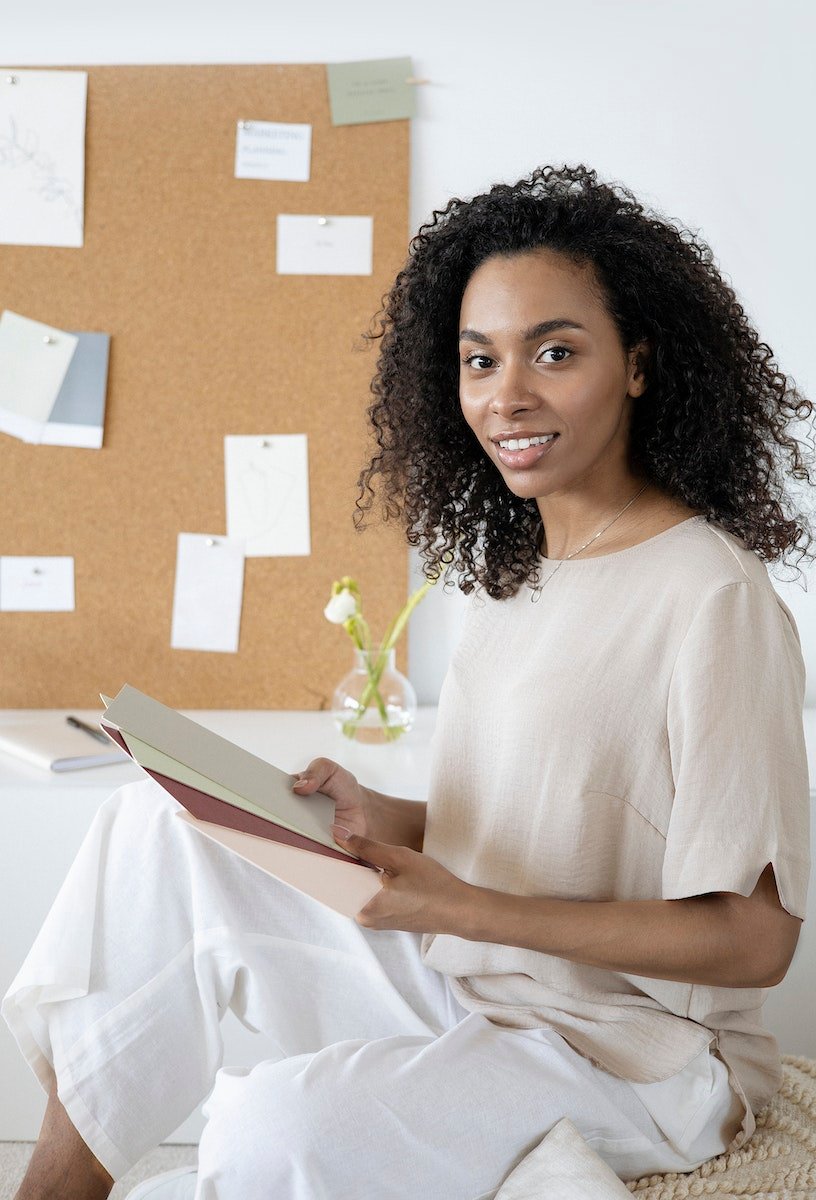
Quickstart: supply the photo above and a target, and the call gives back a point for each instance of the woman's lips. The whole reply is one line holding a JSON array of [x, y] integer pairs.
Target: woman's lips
[[521, 460]]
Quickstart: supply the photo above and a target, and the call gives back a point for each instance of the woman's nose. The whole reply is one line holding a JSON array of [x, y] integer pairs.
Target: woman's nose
[[513, 392]]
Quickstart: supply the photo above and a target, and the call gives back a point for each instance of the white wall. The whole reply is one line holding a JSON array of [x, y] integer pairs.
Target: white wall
[[703, 109]]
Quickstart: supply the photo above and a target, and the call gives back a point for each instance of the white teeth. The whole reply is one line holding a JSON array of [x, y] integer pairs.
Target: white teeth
[[525, 443]]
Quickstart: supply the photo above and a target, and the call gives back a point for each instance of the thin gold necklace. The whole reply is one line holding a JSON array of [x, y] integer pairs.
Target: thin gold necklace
[[540, 586]]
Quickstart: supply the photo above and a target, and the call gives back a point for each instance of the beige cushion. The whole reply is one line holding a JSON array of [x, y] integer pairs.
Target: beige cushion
[[563, 1165]]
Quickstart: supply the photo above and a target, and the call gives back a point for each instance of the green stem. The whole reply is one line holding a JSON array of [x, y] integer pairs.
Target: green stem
[[399, 623], [370, 692]]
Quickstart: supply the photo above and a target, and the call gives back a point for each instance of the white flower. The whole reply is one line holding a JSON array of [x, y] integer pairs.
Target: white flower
[[340, 607]]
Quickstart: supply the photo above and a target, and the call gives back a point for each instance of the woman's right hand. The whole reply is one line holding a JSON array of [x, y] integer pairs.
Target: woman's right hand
[[351, 800]]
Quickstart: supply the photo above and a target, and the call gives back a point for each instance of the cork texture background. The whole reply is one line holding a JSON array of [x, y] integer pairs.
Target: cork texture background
[[178, 267]]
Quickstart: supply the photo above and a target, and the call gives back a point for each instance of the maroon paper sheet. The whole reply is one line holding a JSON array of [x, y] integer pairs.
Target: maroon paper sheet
[[219, 812]]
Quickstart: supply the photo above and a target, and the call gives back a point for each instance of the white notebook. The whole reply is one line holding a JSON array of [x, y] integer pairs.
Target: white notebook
[[48, 741]]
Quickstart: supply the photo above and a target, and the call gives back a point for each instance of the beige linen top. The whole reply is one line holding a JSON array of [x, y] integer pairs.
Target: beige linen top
[[636, 733]]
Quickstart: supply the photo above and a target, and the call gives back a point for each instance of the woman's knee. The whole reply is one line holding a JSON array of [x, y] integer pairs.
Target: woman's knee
[[141, 800], [269, 1122], [241, 1137], [136, 814]]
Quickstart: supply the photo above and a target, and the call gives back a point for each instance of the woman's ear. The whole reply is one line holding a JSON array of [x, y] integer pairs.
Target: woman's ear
[[638, 365]]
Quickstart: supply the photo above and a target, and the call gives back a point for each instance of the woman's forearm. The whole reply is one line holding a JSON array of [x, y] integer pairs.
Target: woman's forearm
[[694, 940], [395, 821]]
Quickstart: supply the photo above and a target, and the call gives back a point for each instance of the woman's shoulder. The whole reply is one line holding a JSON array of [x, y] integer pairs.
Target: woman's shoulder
[[714, 556], [730, 583]]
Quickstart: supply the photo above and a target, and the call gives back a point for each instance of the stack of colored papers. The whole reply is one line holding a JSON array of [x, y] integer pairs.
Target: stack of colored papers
[[241, 801]]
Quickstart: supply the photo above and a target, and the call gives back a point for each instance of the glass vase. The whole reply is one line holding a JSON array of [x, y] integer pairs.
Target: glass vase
[[374, 702]]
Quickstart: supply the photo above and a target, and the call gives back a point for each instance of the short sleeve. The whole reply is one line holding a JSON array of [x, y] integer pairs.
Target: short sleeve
[[737, 747]]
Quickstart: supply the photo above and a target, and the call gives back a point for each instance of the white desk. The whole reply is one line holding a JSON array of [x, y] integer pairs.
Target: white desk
[[43, 818]]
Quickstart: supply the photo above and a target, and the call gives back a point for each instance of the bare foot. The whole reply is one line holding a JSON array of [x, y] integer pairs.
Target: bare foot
[[62, 1166]]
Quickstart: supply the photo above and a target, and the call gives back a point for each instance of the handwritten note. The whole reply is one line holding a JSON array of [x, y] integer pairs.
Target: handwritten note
[[208, 593], [271, 150], [42, 157], [324, 245], [375, 89], [267, 481], [29, 584], [34, 360]]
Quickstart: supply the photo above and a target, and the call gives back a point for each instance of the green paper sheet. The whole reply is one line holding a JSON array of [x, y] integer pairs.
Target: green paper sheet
[[371, 90]]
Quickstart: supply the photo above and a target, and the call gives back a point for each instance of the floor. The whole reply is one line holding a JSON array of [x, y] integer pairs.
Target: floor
[[14, 1157]]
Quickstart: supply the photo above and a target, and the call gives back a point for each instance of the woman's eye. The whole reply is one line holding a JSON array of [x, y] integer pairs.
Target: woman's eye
[[557, 350], [482, 362]]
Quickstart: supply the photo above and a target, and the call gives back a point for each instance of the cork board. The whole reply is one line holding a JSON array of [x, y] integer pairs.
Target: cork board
[[178, 267]]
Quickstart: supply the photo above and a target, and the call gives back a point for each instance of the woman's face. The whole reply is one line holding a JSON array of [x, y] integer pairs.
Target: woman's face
[[523, 376]]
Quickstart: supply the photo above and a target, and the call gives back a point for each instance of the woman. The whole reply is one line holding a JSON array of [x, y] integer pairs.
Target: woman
[[612, 864]]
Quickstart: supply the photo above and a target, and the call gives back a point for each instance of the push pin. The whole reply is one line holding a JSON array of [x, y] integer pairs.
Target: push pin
[[36, 570], [49, 340], [244, 124], [322, 220], [265, 444], [11, 79], [212, 542]]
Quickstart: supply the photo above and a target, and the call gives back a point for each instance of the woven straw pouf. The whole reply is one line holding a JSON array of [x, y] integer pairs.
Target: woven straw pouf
[[778, 1161]]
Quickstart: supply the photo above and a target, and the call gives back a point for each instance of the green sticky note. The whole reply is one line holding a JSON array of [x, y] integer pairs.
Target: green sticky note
[[373, 90]]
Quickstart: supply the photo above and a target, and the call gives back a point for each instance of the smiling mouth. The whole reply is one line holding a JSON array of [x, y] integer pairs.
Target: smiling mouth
[[521, 460], [522, 443]]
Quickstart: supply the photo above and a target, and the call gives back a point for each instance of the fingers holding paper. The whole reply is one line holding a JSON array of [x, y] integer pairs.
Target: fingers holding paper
[[350, 798], [418, 894]]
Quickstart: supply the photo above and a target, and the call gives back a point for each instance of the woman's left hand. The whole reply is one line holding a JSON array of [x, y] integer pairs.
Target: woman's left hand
[[418, 894]]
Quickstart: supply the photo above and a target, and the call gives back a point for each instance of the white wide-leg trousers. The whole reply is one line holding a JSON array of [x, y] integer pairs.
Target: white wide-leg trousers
[[383, 1085]]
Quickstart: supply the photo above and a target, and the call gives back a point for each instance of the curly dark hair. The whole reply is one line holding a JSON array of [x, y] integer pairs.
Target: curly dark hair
[[710, 435]]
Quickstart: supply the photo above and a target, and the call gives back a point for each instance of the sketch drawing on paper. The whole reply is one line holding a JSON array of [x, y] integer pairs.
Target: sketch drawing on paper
[[20, 151], [267, 479], [266, 487]]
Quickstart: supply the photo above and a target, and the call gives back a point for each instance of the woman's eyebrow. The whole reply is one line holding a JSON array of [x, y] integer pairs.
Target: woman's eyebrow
[[529, 335]]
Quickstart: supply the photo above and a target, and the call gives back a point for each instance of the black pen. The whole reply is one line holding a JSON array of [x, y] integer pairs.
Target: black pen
[[95, 733]]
